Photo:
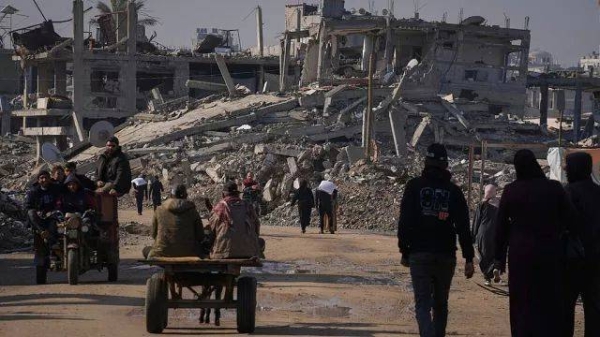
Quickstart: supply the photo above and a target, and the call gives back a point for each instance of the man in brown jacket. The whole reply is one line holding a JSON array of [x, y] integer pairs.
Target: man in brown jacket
[[235, 227], [176, 227]]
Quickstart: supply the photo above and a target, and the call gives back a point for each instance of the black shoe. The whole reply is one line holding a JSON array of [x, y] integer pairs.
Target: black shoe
[[303, 231]]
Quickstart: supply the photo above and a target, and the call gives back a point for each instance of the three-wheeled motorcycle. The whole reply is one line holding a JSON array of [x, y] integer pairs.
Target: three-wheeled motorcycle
[[85, 241]]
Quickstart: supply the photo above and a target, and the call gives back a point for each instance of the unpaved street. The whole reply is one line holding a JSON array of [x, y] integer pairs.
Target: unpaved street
[[348, 284]]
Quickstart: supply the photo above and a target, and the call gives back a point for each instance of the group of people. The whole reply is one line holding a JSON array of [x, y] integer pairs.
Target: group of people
[[64, 189], [232, 231], [146, 190], [325, 199], [550, 233]]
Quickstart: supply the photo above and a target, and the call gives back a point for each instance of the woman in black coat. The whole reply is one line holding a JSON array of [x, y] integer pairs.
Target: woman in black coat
[[532, 215], [306, 201], [484, 232]]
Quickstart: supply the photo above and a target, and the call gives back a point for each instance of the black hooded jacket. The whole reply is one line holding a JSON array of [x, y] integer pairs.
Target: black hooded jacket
[[115, 169], [585, 196], [433, 211]]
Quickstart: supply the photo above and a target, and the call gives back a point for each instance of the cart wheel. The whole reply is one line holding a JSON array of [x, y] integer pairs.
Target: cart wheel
[[113, 272], [73, 267], [41, 274], [156, 304], [246, 304]]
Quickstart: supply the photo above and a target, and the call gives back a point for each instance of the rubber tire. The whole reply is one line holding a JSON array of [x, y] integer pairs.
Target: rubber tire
[[246, 304], [41, 274], [113, 272], [73, 267], [156, 304]]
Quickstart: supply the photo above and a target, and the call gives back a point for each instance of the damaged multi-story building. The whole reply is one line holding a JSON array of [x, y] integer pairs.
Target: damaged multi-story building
[[72, 83], [468, 60]]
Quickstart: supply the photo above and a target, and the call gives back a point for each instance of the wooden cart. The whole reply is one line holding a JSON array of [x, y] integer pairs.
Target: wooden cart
[[201, 277]]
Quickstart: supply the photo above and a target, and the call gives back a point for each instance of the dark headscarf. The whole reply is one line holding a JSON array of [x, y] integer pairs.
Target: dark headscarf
[[579, 166], [527, 166]]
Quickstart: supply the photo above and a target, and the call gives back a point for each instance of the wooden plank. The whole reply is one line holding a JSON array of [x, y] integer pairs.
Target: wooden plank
[[195, 260]]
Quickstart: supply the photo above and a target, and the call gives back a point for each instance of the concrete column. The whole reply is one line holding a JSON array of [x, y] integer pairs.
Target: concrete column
[[577, 113], [128, 71], [6, 116], [323, 37], [285, 64], [335, 52], [544, 107], [398, 117], [182, 74], [79, 77], [26, 86], [44, 79], [60, 78], [389, 45], [259, 31], [367, 51]]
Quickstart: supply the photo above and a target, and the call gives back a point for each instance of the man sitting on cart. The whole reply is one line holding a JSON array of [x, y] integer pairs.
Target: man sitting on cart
[[113, 170], [176, 227], [76, 199], [235, 227]]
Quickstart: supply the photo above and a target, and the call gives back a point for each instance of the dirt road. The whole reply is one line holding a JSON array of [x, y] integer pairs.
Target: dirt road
[[347, 284]]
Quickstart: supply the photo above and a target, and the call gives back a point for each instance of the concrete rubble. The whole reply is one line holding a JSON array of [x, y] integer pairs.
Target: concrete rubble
[[321, 116]]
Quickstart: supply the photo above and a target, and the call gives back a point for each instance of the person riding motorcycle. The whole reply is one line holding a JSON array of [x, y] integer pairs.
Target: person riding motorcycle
[[42, 199], [76, 199]]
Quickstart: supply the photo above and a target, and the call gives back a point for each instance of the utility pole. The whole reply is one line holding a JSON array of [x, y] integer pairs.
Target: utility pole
[[259, 30], [367, 132]]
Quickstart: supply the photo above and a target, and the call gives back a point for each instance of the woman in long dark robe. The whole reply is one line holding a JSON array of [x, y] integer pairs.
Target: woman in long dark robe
[[484, 232], [533, 213], [304, 197]]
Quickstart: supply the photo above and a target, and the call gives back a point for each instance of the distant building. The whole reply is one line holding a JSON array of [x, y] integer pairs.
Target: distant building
[[230, 38], [590, 63], [541, 61]]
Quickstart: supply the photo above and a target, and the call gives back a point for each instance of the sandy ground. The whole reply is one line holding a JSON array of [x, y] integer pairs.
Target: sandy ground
[[347, 284]]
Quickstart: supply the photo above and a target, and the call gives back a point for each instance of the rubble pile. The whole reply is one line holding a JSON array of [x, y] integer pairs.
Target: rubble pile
[[14, 234]]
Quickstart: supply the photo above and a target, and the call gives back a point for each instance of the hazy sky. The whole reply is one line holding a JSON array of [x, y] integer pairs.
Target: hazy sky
[[566, 28]]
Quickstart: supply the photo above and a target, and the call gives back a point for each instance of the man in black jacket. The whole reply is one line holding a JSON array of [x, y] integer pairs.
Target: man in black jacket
[[585, 195], [113, 170], [43, 198], [433, 211]]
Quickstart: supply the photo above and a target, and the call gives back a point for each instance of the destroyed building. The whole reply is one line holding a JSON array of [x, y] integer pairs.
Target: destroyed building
[[72, 83], [468, 60]]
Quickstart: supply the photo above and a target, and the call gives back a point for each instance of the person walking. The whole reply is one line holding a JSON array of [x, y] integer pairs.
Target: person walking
[[484, 231], [533, 213], [433, 212], [325, 195], [156, 188], [583, 274], [140, 187], [306, 201]]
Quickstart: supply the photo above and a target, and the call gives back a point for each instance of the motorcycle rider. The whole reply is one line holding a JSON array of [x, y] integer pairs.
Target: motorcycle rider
[[76, 199], [41, 199]]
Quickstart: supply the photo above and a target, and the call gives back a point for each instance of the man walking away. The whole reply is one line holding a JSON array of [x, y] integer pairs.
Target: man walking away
[[156, 188], [325, 204], [585, 195], [433, 211], [484, 231], [140, 186], [304, 197]]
